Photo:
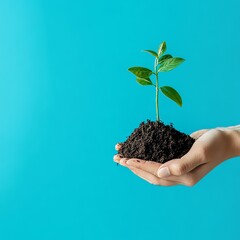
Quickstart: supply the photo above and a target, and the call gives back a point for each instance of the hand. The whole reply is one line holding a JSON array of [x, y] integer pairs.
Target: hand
[[210, 149]]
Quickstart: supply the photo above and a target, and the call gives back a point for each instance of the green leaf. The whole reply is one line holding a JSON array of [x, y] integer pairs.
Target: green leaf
[[162, 49], [170, 64], [144, 81], [172, 94], [163, 58], [151, 52], [141, 72]]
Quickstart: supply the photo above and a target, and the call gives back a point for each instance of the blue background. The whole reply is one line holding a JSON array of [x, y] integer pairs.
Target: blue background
[[66, 98]]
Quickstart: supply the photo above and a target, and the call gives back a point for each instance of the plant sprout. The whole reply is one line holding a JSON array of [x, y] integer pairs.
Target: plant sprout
[[162, 63]]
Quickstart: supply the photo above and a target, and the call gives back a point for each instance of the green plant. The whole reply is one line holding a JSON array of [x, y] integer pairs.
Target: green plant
[[162, 63]]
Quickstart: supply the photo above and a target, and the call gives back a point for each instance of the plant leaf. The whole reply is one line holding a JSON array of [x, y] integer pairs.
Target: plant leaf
[[151, 52], [162, 49], [144, 81], [172, 94], [170, 64], [163, 58], [141, 72]]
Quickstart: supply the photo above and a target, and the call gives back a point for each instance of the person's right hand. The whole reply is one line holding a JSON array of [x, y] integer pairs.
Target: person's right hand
[[210, 149]]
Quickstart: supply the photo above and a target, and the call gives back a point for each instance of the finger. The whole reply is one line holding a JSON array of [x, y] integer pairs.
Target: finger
[[117, 158], [118, 146], [136, 164], [125, 162], [152, 178], [188, 162], [199, 133], [193, 177], [147, 166]]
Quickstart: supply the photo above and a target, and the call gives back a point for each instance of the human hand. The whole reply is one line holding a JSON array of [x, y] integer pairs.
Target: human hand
[[210, 149]]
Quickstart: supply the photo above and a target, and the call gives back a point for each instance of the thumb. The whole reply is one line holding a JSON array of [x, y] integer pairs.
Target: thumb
[[181, 166]]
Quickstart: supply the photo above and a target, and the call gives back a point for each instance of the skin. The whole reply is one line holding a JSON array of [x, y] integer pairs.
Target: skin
[[211, 148]]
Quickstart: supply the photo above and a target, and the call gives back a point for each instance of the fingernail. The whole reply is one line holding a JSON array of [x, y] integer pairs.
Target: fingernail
[[163, 172]]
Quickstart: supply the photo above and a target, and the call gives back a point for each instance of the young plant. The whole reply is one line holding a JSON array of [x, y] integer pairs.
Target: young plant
[[162, 63]]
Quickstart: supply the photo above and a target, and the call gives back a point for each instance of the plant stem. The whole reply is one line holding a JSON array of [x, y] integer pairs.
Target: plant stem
[[157, 89]]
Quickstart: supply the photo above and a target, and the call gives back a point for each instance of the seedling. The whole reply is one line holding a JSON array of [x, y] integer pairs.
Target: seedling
[[153, 140], [163, 63]]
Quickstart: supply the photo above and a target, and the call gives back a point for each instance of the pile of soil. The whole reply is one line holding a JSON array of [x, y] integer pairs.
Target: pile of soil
[[155, 141]]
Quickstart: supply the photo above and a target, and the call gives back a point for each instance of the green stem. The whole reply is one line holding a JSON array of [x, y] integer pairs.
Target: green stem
[[157, 90]]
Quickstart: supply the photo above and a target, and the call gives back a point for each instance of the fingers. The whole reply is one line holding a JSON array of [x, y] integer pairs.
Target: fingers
[[137, 166], [189, 179], [147, 166], [187, 163], [151, 178], [199, 133], [146, 175]]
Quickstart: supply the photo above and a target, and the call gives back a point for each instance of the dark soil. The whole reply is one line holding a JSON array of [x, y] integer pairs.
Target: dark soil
[[155, 141]]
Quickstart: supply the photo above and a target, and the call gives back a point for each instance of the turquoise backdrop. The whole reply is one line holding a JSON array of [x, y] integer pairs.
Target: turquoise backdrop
[[66, 98]]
